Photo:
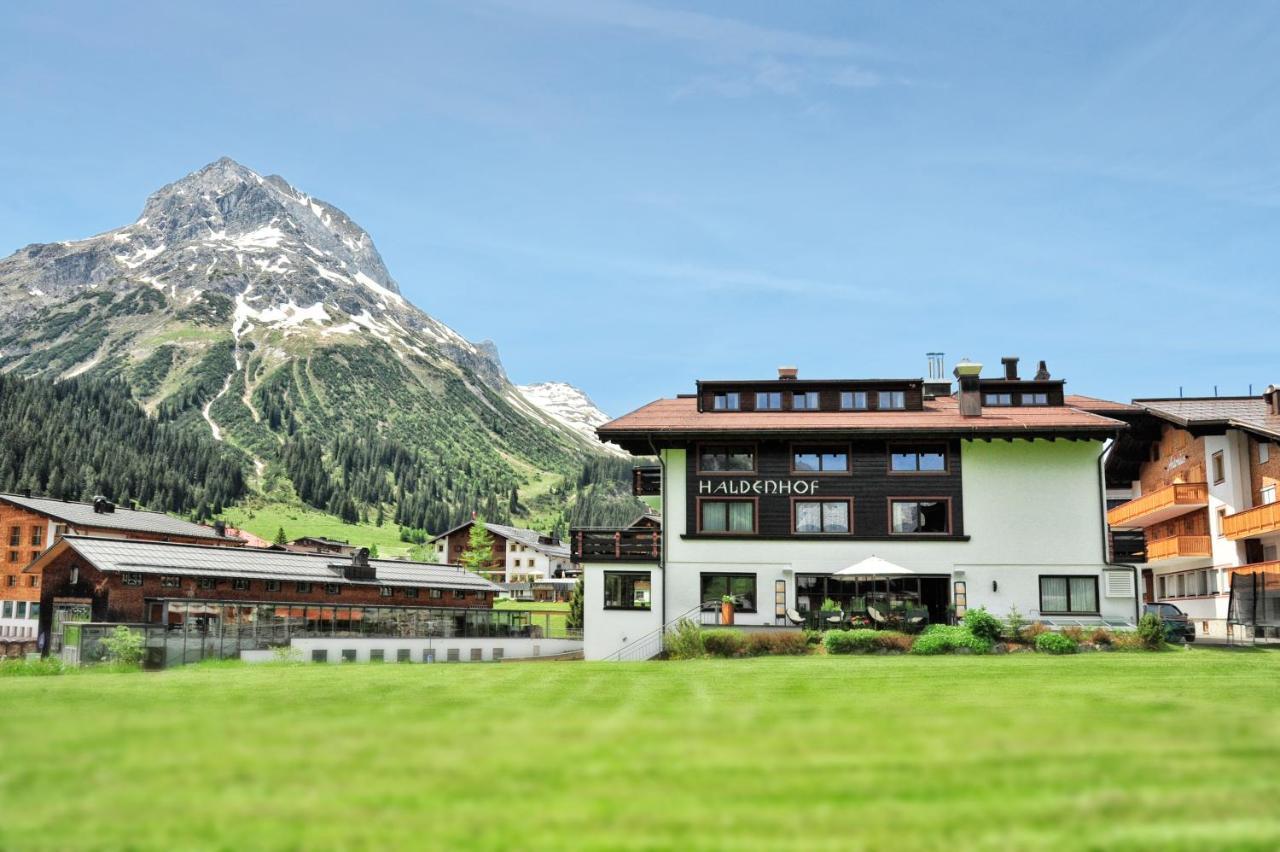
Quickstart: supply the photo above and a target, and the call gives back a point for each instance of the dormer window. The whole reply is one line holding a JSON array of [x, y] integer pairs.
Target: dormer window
[[806, 401], [1035, 399], [725, 402], [853, 400], [892, 400], [768, 401], [997, 399]]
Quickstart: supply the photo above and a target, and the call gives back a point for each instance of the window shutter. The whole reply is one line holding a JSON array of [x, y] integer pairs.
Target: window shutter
[[1118, 584]]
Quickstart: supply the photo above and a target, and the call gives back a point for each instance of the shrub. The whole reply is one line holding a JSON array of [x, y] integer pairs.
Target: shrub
[[983, 624], [123, 646], [892, 640], [1151, 632], [1127, 640], [943, 639], [849, 641], [1100, 636], [1033, 631], [1075, 634], [1014, 622], [724, 643], [40, 667], [829, 605], [765, 644], [684, 641], [1056, 643], [812, 637]]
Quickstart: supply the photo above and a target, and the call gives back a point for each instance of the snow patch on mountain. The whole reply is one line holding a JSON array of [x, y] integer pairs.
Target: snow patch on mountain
[[567, 405]]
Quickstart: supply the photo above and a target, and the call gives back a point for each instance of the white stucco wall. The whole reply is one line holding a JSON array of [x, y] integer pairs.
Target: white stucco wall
[[511, 648], [607, 631]]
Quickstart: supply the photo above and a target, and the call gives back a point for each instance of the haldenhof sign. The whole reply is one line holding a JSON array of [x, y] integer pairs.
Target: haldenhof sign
[[752, 487]]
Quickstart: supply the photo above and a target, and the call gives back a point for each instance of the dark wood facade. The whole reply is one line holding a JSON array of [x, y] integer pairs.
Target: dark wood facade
[[828, 391], [869, 484]]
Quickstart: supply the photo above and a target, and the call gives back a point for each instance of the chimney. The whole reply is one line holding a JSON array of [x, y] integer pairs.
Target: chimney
[[103, 506], [787, 374], [970, 398], [1272, 396], [1010, 367], [220, 528], [360, 569], [937, 384], [1042, 375]]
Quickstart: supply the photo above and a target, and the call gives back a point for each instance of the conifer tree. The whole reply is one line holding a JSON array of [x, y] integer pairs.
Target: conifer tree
[[281, 539], [479, 551]]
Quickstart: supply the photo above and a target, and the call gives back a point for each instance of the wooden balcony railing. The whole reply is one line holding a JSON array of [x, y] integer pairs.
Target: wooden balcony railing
[[1256, 568], [646, 481], [1179, 546], [1168, 502], [1251, 522], [615, 545]]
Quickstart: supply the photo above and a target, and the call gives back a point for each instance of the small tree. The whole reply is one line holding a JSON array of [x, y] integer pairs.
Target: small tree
[[573, 620], [479, 551], [123, 646], [281, 539], [373, 551]]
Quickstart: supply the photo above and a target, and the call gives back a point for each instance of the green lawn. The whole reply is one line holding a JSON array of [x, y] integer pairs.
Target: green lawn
[[554, 622], [1153, 751], [263, 520]]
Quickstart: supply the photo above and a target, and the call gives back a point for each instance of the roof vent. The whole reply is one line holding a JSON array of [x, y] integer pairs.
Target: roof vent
[[937, 384], [1042, 375], [1010, 367], [788, 374], [220, 529], [103, 506]]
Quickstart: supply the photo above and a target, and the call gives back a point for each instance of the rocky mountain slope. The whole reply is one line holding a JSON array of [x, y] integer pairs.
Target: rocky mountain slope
[[569, 405], [241, 305]]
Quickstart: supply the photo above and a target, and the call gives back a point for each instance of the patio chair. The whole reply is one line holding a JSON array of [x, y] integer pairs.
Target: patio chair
[[795, 617], [876, 618]]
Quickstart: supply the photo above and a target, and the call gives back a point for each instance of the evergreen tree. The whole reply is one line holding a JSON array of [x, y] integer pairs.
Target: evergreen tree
[[479, 551], [573, 620], [373, 551], [281, 539]]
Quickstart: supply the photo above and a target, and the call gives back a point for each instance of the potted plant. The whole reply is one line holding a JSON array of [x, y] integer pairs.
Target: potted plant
[[726, 609]]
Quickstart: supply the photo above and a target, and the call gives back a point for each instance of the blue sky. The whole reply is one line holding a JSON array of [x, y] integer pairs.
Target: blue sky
[[631, 195]]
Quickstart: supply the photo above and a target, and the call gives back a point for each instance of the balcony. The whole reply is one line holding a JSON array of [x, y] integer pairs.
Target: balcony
[[1257, 521], [1161, 505], [646, 480], [1179, 547], [638, 544]]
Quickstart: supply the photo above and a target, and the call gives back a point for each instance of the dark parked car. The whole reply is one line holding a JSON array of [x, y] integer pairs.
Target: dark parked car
[[1177, 627]]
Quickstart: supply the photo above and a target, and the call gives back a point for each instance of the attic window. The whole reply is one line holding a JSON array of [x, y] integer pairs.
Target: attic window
[[769, 401], [725, 402], [997, 399], [1035, 399], [892, 400], [807, 401], [853, 400]]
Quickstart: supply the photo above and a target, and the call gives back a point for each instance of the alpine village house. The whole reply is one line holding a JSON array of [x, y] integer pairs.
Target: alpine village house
[[991, 495]]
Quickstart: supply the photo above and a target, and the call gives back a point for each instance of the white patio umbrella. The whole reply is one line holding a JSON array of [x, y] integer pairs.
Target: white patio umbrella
[[873, 568]]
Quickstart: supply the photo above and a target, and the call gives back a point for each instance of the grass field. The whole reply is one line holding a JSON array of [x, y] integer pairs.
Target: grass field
[[559, 611], [1132, 751], [265, 519]]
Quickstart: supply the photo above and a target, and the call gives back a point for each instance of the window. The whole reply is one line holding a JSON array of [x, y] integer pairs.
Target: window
[[1035, 399], [1267, 496], [497, 654], [7, 611], [13, 556], [37, 536], [20, 609], [349, 655], [15, 536], [208, 583], [1222, 518], [385, 591], [168, 582], [1219, 468], [33, 610], [477, 654], [1264, 452], [319, 655], [272, 585], [451, 655], [377, 655], [822, 516], [820, 459], [436, 594], [725, 402], [997, 399], [332, 589], [403, 655], [714, 458], [920, 516], [1069, 595], [303, 588], [627, 590], [240, 584], [853, 400], [742, 587], [459, 594], [890, 400], [918, 459], [428, 655], [410, 593], [130, 578], [727, 516], [806, 401], [33, 581], [768, 401], [12, 580]]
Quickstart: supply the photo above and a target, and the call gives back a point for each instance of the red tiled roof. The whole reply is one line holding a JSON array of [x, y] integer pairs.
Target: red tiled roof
[[681, 415]]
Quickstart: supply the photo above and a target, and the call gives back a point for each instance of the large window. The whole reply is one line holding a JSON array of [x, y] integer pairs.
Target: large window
[[891, 400], [817, 459], [853, 400], [627, 590], [920, 516], [742, 587], [918, 459], [822, 516], [725, 402], [1069, 595], [727, 516], [804, 401], [37, 536], [768, 401], [713, 458]]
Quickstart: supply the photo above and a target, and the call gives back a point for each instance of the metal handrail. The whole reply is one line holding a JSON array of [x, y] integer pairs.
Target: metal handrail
[[653, 641]]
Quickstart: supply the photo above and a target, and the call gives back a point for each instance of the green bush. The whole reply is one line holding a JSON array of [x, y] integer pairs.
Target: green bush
[[123, 646], [1056, 643], [724, 643], [1151, 632], [1014, 622], [983, 624], [776, 644], [863, 641], [40, 667], [812, 637], [944, 639], [684, 641]]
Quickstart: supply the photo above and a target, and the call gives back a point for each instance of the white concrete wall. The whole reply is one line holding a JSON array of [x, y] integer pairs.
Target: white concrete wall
[[606, 631], [511, 648]]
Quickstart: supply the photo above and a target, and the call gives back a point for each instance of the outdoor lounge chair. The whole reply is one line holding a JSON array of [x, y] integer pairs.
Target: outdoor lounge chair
[[794, 617], [875, 616]]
